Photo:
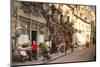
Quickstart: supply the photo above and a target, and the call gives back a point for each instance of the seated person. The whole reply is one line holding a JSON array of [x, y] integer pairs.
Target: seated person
[[22, 51]]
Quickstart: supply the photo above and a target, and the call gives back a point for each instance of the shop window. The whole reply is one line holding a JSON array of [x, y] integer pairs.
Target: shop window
[[34, 26], [23, 31], [25, 23], [26, 32]]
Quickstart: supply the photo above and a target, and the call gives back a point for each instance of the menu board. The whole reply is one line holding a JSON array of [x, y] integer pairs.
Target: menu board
[[23, 39]]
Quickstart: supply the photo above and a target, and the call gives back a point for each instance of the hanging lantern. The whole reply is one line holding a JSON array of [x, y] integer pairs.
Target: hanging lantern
[[18, 32]]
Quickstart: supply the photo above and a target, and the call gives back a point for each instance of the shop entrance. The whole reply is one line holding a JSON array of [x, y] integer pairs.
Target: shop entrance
[[33, 36]]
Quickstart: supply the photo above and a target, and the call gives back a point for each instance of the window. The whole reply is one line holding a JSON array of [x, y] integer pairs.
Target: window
[[25, 23], [34, 25]]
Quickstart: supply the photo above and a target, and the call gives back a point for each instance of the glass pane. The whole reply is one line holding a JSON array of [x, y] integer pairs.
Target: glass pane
[[34, 25], [25, 23], [23, 31]]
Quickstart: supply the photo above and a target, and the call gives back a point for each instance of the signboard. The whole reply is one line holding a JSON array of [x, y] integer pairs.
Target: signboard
[[23, 39]]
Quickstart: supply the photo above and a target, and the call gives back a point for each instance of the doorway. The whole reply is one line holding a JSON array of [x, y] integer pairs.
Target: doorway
[[33, 36]]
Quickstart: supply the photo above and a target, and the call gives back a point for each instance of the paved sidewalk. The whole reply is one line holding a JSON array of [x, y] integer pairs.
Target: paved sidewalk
[[54, 56], [88, 54]]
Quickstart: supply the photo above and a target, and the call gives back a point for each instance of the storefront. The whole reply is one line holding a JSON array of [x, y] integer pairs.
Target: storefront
[[31, 30]]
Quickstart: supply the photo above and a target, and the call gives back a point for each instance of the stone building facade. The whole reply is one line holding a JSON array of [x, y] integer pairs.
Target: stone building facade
[[27, 24], [54, 22]]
